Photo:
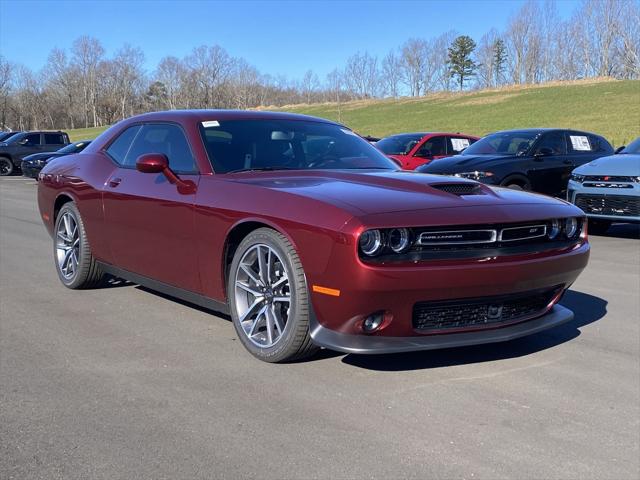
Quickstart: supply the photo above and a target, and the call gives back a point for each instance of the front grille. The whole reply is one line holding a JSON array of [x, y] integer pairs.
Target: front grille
[[474, 313], [614, 205], [459, 188], [609, 178]]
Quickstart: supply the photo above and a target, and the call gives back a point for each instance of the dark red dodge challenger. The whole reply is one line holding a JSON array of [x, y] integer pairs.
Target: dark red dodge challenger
[[308, 236]]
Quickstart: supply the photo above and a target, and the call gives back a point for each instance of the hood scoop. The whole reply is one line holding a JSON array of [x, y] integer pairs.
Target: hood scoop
[[459, 188]]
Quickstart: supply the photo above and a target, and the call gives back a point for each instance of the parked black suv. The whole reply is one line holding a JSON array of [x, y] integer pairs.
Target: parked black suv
[[18, 146], [539, 159]]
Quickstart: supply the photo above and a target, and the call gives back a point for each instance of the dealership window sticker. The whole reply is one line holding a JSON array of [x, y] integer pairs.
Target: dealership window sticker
[[459, 143], [580, 142]]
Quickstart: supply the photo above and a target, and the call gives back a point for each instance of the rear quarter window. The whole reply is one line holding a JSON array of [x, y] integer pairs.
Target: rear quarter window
[[120, 146], [53, 139]]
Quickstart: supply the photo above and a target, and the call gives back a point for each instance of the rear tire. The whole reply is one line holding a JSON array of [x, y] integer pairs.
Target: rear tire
[[598, 227], [268, 298], [75, 264], [6, 167]]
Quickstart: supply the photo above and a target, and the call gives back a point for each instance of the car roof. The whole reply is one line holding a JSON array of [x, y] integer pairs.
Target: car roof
[[204, 115], [543, 130], [424, 134]]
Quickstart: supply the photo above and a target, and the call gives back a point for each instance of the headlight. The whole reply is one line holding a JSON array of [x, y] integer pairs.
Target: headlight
[[554, 229], [571, 227], [371, 242], [474, 175], [577, 178], [399, 239]]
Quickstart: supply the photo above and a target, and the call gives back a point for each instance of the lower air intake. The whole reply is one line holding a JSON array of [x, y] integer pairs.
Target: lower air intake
[[483, 312]]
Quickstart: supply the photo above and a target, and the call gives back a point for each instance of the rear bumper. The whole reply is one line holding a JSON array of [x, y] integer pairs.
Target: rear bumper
[[374, 344]]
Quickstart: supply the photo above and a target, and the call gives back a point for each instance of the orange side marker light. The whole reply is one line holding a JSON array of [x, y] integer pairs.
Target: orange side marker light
[[327, 291]]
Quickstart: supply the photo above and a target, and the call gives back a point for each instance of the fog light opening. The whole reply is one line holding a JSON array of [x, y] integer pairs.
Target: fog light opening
[[373, 322]]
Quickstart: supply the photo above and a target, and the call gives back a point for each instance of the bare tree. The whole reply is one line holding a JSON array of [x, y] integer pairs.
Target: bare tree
[[209, 68], [6, 77], [414, 64], [87, 54], [361, 75], [310, 84], [391, 74]]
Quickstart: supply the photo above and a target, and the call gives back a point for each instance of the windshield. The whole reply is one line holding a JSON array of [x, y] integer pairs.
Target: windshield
[[399, 144], [237, 145], [633, 147], [74, 147], [505, 143]]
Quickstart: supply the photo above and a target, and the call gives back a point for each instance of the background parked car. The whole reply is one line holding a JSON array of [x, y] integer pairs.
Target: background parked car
[[608, 189], [16, 147], [4, 136], [32, 164], [534, 159], [410, 150]]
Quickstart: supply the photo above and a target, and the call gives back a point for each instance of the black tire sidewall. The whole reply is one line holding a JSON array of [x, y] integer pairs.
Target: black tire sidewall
[[11, 168], [297, 284]]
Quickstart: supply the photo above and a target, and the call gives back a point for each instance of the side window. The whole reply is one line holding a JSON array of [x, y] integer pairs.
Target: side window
[[53, 139], [120, 147], [456, 144], [578, 143], [433, 147], [31, 140], [554, 141], [598, 144], [163, 138]]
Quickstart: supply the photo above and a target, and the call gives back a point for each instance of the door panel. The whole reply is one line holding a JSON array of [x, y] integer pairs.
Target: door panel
[[151, 227], [150, 223], [549, 173]]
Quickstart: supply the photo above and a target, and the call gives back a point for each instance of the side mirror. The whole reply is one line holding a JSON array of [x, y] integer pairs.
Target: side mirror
[[152, 163], [24, 141], [619, 149], [159, 163], [544, 152], [424, 154]]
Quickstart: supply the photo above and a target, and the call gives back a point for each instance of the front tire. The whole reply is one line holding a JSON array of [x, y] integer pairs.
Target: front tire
[[6, 167], [269, 299], [75, 264]]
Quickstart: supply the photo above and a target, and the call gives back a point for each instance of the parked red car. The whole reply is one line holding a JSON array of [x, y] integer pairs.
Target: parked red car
[[308, 236], [411, 150]]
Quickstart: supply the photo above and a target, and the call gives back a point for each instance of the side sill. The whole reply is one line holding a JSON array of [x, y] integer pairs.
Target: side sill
[[166, 289]]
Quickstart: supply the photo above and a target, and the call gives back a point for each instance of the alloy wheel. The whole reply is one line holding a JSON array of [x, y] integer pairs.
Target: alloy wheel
[[67, 245], [262, 295]]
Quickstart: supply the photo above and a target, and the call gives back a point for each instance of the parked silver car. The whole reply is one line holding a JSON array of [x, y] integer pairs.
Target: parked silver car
[[608, 189]]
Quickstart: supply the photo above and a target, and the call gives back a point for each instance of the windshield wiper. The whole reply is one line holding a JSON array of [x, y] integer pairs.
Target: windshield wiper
[[261, 169]]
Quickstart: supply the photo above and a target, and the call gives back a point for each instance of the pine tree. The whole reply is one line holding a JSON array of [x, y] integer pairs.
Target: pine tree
[[461, 65], [499, 59]]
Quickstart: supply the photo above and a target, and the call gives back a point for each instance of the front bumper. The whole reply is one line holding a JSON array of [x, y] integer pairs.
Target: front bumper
[[373, 344], [30, 170], [630, 194]]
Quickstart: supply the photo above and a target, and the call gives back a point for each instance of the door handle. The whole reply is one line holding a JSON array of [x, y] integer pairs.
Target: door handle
[[114, 182], [567, 162]]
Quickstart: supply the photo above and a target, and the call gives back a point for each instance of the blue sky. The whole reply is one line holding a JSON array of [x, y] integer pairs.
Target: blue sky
[[278, 37]]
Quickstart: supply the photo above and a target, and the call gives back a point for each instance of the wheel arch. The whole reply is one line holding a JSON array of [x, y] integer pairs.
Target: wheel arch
[[237, 233], [519, 178], [60, 200]]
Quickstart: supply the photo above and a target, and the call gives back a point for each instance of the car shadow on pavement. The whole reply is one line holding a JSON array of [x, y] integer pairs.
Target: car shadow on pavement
[[587, 309]]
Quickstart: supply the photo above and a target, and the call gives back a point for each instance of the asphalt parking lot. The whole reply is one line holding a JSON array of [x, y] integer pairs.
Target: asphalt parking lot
[[124, 383]]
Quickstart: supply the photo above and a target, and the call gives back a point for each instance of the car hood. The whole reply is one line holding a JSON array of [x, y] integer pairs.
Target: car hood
[[40, 156], [464, 163], [625, 164], [373, 192]]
